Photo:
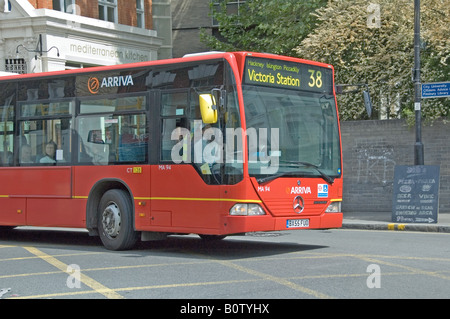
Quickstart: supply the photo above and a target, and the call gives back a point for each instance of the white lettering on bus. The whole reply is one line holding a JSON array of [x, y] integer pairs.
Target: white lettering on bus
[[300, 190], [116, 81]]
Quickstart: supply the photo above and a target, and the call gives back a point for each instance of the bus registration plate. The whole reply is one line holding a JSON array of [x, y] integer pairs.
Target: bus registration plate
[[297, 223]]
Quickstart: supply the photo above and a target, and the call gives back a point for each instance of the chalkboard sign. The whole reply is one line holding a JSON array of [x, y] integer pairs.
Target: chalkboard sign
[[415, 194]]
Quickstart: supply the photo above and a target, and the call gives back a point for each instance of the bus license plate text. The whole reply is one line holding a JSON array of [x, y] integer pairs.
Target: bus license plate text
[[297, 223]]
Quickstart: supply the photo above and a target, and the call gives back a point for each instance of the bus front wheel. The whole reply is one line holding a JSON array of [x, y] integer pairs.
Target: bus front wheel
[[115, 221]]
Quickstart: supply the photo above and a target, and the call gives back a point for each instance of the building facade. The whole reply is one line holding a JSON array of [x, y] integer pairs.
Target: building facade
[[50, 35], [190, 18]]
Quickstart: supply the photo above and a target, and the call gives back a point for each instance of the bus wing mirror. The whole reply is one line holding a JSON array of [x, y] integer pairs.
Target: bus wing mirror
[[367, 103], [208, 108]]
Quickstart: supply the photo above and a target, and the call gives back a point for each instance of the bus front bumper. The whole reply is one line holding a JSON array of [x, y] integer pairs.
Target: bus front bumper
[[244, 224]]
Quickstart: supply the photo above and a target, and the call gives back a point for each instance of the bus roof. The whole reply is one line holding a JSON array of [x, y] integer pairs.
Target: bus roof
[[240, 56]]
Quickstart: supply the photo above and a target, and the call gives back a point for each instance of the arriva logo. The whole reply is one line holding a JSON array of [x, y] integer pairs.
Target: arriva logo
[[93, 85], [299, 190], [112, 81]]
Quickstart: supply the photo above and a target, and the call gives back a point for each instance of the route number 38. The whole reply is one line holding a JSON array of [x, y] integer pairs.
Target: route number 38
[[315, 79]]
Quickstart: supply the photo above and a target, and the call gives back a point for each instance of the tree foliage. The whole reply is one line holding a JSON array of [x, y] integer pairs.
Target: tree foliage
[[273, 26], [381, 53], [347, 34]]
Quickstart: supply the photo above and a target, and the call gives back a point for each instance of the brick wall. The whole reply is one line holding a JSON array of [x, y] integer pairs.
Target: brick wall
[[371, 149], [127, 12], [148, 14], [89, 8]]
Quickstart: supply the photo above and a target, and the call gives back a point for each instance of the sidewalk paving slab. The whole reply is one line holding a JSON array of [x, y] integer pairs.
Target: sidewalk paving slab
[[383, 221]]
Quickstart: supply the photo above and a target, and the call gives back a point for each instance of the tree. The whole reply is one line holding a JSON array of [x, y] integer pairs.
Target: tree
[[273, 26], [373, 44]]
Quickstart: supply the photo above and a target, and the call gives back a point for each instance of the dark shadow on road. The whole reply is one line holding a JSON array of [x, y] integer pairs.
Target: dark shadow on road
[[192, 246], [47, 237], [234, 247]]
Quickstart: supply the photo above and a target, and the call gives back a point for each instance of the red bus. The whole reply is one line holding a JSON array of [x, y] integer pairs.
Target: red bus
[[211, 144]]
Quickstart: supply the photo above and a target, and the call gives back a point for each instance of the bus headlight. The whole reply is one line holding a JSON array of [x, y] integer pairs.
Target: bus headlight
[[241, 209], [334, 207]]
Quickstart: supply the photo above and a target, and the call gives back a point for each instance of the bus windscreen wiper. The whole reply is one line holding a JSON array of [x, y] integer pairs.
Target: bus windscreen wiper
[[328, 179]]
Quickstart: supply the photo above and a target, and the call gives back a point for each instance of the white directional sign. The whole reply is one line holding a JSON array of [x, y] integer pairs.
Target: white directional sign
[[437, 89]]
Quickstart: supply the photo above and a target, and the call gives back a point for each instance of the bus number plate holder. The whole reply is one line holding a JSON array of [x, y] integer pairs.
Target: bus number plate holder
[[297, 223]]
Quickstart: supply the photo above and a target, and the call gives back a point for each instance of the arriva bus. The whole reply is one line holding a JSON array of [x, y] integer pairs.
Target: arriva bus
[[211, 144]]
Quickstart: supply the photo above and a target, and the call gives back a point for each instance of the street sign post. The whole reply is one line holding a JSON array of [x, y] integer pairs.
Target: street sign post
[[434, 90]]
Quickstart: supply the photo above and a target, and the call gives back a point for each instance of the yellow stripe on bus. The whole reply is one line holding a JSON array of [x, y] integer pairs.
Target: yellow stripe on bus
[[190, 199], [203, 199]]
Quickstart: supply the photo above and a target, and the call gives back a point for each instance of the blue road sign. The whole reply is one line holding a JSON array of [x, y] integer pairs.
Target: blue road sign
[[437, 89]]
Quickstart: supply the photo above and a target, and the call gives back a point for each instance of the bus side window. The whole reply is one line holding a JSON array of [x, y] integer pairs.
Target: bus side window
[[133, 140], [169, 126], [6, 129], [6, 157], [26, 156], [93, 144], [49, 141], [173, 112]]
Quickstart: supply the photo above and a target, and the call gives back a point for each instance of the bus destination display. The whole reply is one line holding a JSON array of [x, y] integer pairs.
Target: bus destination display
[[289, 75]]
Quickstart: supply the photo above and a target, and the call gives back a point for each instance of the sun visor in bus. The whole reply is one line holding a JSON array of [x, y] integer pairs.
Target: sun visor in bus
[[208, 108]]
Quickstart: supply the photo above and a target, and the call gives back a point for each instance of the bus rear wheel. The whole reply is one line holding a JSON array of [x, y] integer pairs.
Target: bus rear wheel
[[115, 221]]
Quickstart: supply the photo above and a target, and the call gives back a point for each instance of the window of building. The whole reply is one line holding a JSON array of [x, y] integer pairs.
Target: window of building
[[140, 13], [233, 7], [107, 10], [5, 6], [16, 66], [68, 6]]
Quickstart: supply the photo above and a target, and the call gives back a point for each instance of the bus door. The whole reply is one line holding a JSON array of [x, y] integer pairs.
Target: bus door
[[184, 188], [44, 178], [12, 208]]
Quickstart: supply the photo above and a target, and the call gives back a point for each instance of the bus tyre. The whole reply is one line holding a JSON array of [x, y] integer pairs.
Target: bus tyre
[[115, 221]]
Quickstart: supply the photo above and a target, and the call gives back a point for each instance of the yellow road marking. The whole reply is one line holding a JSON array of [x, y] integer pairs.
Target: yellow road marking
[[61, 255], [7, 246], [128, 289], [88, 281], [396, 226], [413, 270], [259, 276], [277, 280]]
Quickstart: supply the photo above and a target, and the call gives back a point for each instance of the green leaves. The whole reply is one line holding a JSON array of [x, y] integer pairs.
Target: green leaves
[[382, 56], [366, 42], [274, 26]]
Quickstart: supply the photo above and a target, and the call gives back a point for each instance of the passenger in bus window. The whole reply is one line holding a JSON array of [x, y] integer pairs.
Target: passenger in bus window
[[6, 157], [25, 154], [50, 153]]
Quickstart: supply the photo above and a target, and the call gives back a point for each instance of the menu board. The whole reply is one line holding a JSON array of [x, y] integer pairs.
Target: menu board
[[416, 194]]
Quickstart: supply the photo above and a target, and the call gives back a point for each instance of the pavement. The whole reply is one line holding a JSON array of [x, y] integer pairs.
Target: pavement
[[383, 221]]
